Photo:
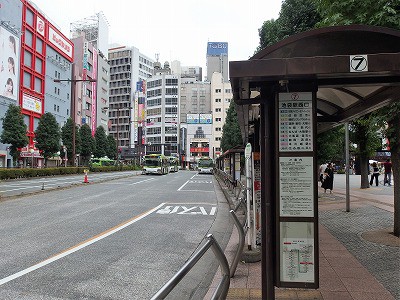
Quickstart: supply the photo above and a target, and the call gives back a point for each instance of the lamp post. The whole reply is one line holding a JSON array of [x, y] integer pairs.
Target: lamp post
[[32, 151], [73, 87], [65, 156]]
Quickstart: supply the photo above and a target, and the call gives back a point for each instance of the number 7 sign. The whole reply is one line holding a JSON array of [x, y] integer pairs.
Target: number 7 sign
[[358, 63]]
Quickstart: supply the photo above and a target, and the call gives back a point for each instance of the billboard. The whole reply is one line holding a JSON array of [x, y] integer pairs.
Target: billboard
[[192, 118], [9, 68], [217, 48]]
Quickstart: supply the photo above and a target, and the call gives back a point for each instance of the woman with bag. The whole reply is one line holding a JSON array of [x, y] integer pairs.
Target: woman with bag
[[327, 183], [375, 174]]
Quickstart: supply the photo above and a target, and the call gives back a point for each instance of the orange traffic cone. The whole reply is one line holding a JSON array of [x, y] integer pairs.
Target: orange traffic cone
[[85, 179]]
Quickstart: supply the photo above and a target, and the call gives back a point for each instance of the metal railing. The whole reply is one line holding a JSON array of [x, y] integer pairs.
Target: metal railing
[[222, 289]]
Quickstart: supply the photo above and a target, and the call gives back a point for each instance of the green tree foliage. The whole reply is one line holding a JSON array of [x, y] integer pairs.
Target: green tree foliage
[[295, 16], [48, 136], [100, 138], [231, 135], [88, 143], [111, 147], [370, 12], [14, 130], [67, 138], [330, 145]]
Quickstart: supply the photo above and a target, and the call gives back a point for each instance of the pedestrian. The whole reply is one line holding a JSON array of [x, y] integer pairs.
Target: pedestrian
[[327, 183], [322, 171], [388, 172], [375, 174]]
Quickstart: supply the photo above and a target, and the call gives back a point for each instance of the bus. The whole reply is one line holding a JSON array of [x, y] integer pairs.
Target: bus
[[205, 165], [102, 162], [155, 164], [173, 163]]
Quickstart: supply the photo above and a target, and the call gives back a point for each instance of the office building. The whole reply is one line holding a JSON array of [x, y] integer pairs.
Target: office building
[[162, 111], [129, 71], [217, 60]]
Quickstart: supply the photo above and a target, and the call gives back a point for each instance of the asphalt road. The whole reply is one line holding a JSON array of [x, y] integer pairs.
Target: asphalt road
[[118, 239]]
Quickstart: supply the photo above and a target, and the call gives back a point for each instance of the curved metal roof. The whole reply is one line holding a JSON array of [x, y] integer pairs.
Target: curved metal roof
[[347, 86]]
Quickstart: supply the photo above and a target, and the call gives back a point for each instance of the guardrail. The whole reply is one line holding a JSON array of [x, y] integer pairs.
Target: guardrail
[[223, 286]]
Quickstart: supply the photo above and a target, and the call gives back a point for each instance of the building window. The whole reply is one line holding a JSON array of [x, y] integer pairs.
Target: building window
[[218, 110], [217, 119], [218, 90], [38, 85], [217, 139], [28, 38], [217, 100], [27, 80], [218, 129]]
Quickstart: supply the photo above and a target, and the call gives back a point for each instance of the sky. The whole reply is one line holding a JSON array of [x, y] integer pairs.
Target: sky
[[175, 29]]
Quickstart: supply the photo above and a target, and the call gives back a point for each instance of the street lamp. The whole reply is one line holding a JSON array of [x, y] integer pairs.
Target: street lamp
[[73, 86]]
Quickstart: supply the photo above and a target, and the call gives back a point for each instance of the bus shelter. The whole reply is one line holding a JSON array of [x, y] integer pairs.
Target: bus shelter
[[286, 94]]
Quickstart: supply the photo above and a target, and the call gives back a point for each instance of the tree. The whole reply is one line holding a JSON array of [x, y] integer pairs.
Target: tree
[[111, 147], [14, 131], [295, 16], [231, 135], [327, 150], [67, 138], [48, 136], [88, 143], [101, 142], [379, 13], [364, 133]]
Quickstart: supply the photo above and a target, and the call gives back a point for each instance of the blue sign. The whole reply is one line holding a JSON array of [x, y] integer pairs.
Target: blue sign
[[217, 48]]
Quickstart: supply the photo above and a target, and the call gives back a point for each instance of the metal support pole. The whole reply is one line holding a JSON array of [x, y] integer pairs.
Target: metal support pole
[[346, 128]]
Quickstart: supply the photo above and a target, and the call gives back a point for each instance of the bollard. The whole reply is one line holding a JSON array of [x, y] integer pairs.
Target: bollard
[[43, 186], [85, 178]]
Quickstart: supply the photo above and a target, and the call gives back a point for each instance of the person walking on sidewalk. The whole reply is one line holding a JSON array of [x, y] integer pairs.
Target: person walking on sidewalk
[[388, 172], [375, 174], [327, 184]]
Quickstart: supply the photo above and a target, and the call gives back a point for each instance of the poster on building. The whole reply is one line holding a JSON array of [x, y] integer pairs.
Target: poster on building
[[9, 68], [295, 122], [297, 252], [296, 185], [192, 118], [205, 118], [31, 103]]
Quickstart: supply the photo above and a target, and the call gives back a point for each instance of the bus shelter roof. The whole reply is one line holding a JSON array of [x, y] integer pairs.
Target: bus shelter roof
[[324, 57]]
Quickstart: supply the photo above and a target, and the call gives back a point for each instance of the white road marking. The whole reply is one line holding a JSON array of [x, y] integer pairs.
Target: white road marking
[[80, 246]]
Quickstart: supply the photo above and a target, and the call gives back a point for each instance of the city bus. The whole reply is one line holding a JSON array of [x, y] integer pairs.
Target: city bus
[[102, 162], [173, 163], [205, 165], [155, 164]]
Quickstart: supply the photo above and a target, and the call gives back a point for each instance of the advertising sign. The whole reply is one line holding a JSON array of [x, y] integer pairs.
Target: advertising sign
[[40, 25], [60, 42], [94, 93], [192, 118], [31, 103], [217, 48], [205, 118], [9, 68]]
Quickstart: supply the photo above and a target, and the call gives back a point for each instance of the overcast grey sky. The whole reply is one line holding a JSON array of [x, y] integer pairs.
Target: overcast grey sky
[[177, 29]]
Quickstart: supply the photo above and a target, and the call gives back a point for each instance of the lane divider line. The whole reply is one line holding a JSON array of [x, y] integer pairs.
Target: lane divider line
[[80, 246]]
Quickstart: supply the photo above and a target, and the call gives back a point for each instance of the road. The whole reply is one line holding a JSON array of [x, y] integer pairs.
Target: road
[[118, 239]]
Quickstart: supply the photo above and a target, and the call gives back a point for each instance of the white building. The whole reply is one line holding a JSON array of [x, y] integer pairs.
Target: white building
[[221, 96], [162, 111]]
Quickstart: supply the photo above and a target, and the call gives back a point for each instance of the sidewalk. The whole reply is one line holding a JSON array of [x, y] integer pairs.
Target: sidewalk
[[359, 257]]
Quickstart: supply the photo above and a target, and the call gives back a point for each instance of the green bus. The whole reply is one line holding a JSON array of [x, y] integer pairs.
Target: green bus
[[102, 162], [155, 164], [173, 163], [205, 165]]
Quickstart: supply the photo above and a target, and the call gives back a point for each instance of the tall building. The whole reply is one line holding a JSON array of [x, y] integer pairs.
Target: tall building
[[46, 55], [162, 111], [128, 68], [90, 37], [10, 54], [217, 60], [221, 96]]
